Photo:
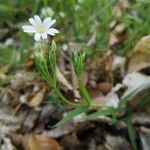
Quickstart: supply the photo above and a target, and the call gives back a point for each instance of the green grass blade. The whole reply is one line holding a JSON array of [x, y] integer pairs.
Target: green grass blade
[[84, 92], [101, 112], [72, 114], [124, 100], [131, 132]]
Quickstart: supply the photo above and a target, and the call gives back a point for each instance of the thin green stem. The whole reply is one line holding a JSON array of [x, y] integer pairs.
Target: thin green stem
[[131, 131], [36, 5], [45, 3], [84, 92], [64, 99]]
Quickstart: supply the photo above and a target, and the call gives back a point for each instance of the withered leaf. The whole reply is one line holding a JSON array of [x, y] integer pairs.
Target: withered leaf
[[37, 99], [139, 58], [35, 142]]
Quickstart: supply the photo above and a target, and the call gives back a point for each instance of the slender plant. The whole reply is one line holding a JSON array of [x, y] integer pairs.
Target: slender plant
[[47, 68]]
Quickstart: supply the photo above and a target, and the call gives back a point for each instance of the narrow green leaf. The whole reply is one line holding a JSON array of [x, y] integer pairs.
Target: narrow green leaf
[[78, 61], [52, 64], [72, 114], [131, 132], [52, 61], [101, 112], [54, 46], [84, 92], [123, 101], [41, 65]]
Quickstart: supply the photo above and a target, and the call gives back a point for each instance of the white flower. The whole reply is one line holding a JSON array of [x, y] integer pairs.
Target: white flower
[[41, 29]]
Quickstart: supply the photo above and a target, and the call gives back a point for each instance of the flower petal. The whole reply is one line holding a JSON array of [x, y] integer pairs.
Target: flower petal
[[44, 36], [29, 29], [37, 37], [33, 22], [37, 19], [49, 24], [47, 21], [52, 31]]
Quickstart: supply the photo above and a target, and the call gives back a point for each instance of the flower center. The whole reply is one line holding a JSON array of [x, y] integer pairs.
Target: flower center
[[40, 29]]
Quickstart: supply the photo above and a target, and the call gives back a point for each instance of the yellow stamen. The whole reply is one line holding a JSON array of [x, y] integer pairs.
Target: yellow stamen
[[40, 29]]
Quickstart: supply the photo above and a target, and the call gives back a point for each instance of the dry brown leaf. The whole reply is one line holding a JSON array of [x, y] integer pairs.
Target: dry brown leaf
[[124, 5], [41, 142], [105, 87], [74, 46], [62, 130], [97, 97], [117, 34], [120, 9], [29, 63], [116, 143], [7, 145], [107, 60], [92, 40], [37, 99], [145, 137], [139, 84], [139, 58], [141, 118], [68, 128], [61, 78], [111, 99], [35, 142], [8, 122], [134, 81], [138, 98], [71, 142]]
